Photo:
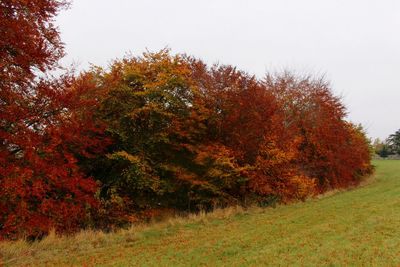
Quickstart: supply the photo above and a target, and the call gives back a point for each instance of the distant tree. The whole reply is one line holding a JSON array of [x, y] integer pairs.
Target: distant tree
[[380, 148], [384, 152], [394, 142]]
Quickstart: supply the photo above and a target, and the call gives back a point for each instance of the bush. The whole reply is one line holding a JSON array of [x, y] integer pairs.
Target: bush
[[189, 137]]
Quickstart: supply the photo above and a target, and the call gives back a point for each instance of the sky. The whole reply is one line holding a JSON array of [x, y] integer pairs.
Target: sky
[[355, 44]]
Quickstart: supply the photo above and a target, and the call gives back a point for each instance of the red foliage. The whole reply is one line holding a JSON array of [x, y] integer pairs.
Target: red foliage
[[328, 142], [252, 125], [244, 111], [290, 132], [41, 186], [29, 41], [45, 125]]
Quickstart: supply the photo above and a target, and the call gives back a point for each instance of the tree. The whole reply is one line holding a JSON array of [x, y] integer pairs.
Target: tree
[[327, 149], [247, 120], [161, 154], [29, 41], [394, 142], [381, 148], [46, 125]]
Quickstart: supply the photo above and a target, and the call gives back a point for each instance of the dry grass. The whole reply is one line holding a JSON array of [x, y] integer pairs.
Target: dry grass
[[87, 240]]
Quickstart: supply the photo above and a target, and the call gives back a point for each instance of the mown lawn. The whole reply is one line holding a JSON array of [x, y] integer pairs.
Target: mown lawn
[[356, 227]]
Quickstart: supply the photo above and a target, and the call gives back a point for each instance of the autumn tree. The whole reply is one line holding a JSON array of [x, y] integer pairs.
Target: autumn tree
[[246, 118], [317, 117], [29, 43], [162, 155], [46, 124]]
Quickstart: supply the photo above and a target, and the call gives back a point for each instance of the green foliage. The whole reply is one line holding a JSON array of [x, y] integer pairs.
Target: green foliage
[[394, 142], [390, 146]]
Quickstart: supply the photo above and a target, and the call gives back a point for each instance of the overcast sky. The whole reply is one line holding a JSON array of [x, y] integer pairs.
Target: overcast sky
[[354, 43]]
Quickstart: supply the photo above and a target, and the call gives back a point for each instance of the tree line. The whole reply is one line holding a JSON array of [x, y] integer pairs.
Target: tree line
[[390, 146], [115, 145]]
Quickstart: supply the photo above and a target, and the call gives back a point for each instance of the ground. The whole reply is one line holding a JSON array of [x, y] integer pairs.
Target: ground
[[356, 227]]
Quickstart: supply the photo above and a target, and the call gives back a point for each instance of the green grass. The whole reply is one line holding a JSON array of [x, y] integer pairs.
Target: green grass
[[355, 227]]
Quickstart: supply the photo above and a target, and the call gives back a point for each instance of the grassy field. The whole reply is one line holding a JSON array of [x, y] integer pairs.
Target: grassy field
[[356, 227]]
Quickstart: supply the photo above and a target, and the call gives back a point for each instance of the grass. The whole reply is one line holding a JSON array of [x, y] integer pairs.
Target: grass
[[355, 227]]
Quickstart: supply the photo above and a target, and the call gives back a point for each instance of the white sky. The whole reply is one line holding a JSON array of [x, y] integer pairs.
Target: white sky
[[354, 43]]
